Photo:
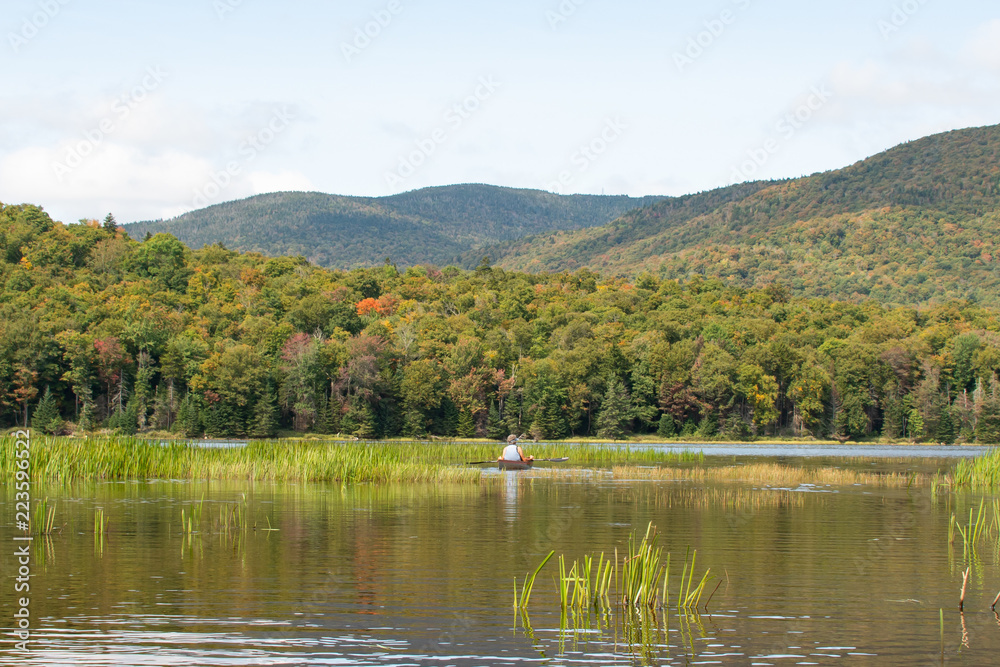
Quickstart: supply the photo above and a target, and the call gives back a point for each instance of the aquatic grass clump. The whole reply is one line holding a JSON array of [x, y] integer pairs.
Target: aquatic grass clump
[[980, 528], [43, 522], [583, 594], [637, 578], [981, 472], [642, 571]]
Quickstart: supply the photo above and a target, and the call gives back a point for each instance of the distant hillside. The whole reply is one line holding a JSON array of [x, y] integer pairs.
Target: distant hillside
[[918, 223], [433, 225]]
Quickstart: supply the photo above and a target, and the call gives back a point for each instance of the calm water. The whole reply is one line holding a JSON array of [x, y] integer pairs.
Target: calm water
[[424, 575]]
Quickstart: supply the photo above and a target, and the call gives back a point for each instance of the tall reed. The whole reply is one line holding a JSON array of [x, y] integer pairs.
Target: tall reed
[[529, 583], [981, 472], [642, 581], [43, 522]]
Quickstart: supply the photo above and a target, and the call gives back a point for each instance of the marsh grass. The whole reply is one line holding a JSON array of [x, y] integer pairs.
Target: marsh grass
[[641, 577], [771, 474], [980, 473], [125, 458]]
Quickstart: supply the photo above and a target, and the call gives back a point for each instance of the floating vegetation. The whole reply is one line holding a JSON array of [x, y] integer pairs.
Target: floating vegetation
[[981, 472], [771, 474]]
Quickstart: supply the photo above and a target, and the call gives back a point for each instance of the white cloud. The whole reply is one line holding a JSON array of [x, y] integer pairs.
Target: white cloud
[[132, 184], [984, 47]]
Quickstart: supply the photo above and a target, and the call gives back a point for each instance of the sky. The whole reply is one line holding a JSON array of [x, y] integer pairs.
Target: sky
[[149, 109]]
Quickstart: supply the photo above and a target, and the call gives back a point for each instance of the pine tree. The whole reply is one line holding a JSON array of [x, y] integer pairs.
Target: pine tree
[[945, 426], [709, 426], [189, 417], [666, 428], [110, 224], [495, 428], [466, 424], [86, 419], [988, 426], [126, 421], [616, 412], [447, 424], [46, 417], [414, 425], [265, 420], [322, 423]]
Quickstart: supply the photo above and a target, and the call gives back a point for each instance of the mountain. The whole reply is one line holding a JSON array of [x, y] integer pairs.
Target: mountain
[[433, 225], [918, 223]]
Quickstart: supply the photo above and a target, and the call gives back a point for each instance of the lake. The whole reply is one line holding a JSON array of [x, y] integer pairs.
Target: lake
[[310, 574]]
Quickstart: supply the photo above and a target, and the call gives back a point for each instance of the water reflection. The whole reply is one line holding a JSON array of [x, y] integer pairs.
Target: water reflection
[[511, 483], [390, 575]]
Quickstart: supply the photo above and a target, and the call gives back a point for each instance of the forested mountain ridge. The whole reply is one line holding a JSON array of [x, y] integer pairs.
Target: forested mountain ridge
[[432, 225], [918, 223], [98, 330]]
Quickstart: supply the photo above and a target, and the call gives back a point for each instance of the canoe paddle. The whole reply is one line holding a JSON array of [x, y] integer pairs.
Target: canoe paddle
[[562, 460]]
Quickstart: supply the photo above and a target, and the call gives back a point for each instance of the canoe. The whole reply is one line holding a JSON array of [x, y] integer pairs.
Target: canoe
[[514, 465]]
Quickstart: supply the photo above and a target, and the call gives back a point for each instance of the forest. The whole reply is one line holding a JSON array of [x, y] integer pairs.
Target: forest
[[101, 331], [915, 225], [430, 225]]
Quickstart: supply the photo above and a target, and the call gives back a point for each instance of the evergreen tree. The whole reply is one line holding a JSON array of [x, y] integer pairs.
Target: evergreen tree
[[322, 424], [264, 423], [915, 424], [86, 419], [709, 426], [945, 426], [545, 424], [555, 417], [666, 427], [366, 423], [988, 426], [189, 420], [110, 224], [46, 417], [414, 424], [466, 424], [447, 423], [615, 417], [126, 421], [495, 428], [361, 420]]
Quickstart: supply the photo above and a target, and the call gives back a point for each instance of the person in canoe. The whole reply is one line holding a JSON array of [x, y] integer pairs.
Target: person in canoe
[[513, 452]]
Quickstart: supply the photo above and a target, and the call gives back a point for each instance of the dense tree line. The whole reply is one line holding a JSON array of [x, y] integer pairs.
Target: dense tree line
[[99, 330], [917, 224], [430, 225]]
